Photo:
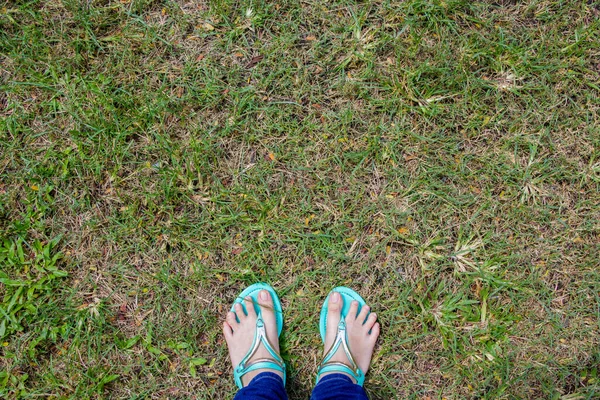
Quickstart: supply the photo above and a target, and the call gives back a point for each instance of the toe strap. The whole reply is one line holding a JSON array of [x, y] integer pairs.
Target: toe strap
[[352, 369]]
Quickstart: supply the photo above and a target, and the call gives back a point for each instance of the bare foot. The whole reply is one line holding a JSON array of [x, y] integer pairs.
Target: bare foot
[[240, 335], [360, 341]]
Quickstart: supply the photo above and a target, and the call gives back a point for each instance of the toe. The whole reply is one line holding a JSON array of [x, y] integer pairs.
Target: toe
[[266, 307], [353, 311], [239, 311], [334, 309], [230, 319], [249, 304], [375, 332], [371, 319], [364, 313], [227, 331]]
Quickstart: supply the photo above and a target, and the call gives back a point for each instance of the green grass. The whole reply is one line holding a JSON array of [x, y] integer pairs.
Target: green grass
[[441, 157]]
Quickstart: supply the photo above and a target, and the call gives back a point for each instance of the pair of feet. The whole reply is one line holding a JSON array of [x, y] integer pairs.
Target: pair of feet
[[362, 332]]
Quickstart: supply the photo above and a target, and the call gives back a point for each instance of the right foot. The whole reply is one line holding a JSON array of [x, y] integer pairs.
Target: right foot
[[360, 341]]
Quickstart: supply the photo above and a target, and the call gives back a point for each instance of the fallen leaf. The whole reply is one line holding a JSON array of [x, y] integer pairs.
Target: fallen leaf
[[121, 316], [208, 27], [403, 230], [254, 61], [236, 250], [200, 57], [310, 38], [308, 219], [271, 156]]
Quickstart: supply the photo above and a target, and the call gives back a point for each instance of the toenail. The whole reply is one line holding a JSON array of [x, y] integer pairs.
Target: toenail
[[335, 297], [264, 295]]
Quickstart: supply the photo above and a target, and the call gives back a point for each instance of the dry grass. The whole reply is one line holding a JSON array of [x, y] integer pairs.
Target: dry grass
[[439, 157]]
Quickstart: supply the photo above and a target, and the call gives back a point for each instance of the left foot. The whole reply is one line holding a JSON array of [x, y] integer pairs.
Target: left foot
[[362, 333], [240, 335]]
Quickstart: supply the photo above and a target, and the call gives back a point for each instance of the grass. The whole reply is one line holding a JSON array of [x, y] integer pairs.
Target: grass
[[441, 157]]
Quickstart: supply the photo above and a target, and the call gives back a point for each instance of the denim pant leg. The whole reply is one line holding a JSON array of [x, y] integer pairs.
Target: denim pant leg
[[338, 387], [264, 386]]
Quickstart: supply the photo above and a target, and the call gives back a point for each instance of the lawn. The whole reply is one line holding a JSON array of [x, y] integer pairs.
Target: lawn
[[441, 157]]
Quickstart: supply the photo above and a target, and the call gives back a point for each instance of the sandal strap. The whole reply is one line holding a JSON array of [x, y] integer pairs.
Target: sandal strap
[[245, 366], [341, 339]]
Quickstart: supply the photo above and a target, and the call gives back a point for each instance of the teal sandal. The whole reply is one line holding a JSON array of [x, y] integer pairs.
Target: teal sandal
[[341, 339], [260, 335]]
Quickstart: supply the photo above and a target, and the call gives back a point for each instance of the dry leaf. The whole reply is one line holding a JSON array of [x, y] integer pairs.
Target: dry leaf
[[122, 313], [254, 61], [271, 156], [310, 38], [403, 230]]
